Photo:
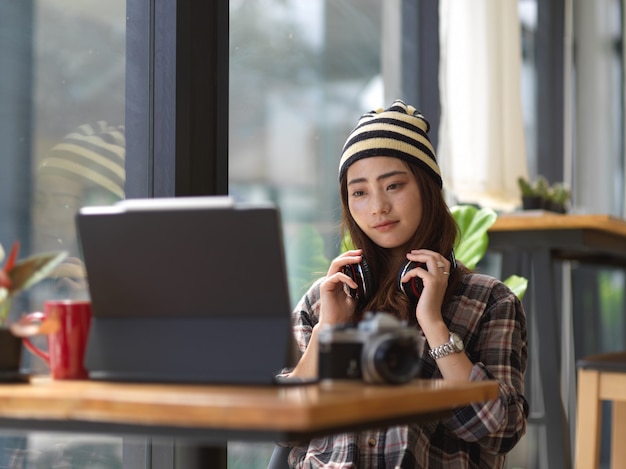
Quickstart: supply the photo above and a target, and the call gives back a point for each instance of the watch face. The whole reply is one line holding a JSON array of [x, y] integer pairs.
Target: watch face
[[458, 343]]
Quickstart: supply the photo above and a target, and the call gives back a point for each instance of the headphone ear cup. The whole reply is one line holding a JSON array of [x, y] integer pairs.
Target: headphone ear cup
[[368, 282], [413, 288], [452, 259], [360, 273]]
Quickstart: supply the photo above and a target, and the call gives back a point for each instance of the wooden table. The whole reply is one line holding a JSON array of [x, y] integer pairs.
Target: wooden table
[[532, 243], [215, 414], [587, 238]]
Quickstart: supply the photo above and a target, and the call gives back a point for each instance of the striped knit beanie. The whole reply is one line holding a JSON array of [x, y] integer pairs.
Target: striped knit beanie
[[94, 154], [400, 131]]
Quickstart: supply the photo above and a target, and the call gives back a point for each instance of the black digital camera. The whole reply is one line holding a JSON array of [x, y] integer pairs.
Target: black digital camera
[[379, 349]]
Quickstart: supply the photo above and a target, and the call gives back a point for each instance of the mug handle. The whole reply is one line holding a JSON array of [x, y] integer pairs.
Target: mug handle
[[36, 317]]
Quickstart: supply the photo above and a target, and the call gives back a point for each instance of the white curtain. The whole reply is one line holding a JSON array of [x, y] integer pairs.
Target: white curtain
[[481, 150]]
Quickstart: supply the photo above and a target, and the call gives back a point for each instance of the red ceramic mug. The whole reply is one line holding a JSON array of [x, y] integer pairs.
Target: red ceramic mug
[[67, 325]]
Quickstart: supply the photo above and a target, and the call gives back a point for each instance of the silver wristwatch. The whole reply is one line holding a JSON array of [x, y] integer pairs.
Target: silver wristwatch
[[454, 345]]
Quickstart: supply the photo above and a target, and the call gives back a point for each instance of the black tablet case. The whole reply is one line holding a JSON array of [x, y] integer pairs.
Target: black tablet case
[[186, 290]]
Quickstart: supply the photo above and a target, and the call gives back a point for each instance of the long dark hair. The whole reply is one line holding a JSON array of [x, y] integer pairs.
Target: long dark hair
[[437, 231]]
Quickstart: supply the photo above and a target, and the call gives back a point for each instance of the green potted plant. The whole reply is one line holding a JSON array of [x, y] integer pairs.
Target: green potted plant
[[541, 195], [531, 197], [542, 186], [474, 223], [558, 197], [15, 277]]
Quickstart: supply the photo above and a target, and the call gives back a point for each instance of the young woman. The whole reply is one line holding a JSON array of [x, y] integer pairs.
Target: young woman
[[474, 326]]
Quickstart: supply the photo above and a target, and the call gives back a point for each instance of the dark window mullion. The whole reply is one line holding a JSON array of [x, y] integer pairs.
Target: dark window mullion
[[177, 98], [139, 92], [550, 99], [202, 98], [420, 59]]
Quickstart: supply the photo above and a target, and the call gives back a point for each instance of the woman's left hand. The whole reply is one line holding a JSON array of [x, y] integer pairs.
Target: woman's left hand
[[456, 366], [435, 278]]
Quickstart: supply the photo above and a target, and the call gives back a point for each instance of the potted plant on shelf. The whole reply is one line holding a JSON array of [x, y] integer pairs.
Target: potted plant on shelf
[[15, 277], [532, 199], [541, 195], [558, 197]]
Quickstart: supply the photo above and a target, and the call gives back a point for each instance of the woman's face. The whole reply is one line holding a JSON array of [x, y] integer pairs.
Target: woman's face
[[385, 201]]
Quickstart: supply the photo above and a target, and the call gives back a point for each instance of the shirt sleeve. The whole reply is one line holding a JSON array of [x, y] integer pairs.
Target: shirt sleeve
[[303, 318], [498, 349]]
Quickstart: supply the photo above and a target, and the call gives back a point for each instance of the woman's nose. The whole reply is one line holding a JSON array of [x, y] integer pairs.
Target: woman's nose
[[380, 204]]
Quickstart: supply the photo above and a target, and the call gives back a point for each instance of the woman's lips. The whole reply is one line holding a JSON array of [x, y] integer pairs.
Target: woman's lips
[[384, 226]]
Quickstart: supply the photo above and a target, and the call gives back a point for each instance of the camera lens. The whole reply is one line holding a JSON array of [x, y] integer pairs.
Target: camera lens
[[390, 358]]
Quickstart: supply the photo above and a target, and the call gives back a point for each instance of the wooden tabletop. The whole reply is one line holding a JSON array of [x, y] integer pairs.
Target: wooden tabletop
[[542, 220], [290, 410], [596, 239]]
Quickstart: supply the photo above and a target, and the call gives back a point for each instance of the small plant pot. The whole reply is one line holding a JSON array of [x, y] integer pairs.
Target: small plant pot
[[532, 202], [556, 207], [10, 357], [10, 352]]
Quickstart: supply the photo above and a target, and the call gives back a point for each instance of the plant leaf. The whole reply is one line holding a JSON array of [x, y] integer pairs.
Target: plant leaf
[[517, 284], [29, 271], [473, 240], [5, 307], [346, 243], [307, 262], [15, 249]]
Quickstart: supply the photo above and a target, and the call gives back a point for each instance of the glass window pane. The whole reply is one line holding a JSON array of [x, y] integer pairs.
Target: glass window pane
[[78, 141], [300, 75], [597, 90], [62, 81]]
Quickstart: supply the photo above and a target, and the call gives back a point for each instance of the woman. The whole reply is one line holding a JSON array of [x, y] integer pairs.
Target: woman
[[474, 326]]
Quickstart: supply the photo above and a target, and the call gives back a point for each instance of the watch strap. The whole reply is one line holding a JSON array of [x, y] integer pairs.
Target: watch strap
[[443, 350]]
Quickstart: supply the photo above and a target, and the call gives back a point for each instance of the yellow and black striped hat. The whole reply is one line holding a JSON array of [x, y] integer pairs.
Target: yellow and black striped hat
[[94, 154], [399, 131]]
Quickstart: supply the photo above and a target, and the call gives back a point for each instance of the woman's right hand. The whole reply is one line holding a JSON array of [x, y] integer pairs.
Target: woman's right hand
[[337, 305]]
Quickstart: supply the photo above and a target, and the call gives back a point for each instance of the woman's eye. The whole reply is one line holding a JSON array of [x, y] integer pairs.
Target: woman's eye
[[357, 193], [393, 186]]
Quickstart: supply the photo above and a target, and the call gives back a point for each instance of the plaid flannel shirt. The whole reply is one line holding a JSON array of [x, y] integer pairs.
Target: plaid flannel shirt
[[492, 323]]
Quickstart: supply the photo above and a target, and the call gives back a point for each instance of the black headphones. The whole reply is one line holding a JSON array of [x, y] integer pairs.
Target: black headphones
[[362, 275]]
